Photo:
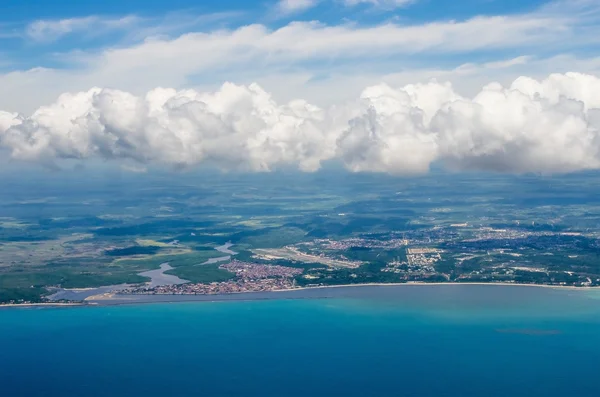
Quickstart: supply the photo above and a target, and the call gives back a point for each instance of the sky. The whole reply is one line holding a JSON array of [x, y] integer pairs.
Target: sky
[[391, 86]]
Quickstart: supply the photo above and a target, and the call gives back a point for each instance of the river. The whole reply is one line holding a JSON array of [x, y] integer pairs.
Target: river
[[157, 278]]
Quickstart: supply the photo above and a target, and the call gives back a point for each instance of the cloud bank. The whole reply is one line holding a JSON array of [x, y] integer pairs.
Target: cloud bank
[[549, 126]]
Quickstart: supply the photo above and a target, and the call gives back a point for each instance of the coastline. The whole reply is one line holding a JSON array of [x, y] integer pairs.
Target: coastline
[[410, 283], [41, 304], [419, 283], [114, 298], [122, 299]]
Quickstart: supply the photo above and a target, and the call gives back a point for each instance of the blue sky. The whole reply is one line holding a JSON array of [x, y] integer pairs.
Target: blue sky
[[379, 85], [44, 43], [16, 10]]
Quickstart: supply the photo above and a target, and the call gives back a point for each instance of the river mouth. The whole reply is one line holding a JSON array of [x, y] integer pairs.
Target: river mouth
[[80, 294], [157, 278]]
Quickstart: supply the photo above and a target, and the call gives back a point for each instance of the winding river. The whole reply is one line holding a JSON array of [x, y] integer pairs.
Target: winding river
[[157, 278]]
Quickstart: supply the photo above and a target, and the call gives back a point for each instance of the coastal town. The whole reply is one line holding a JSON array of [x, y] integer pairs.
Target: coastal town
[[488, 256], [249, 277], [457, 252]]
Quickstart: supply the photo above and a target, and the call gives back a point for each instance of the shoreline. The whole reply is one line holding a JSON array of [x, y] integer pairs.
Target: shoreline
[[41, 304], [410, 283], [115, 298], [120, 299], [419, 283]]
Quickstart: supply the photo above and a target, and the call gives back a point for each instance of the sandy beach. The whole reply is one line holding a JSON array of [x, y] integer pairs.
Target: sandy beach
[[108, 297], [295, 293], [416, 283]]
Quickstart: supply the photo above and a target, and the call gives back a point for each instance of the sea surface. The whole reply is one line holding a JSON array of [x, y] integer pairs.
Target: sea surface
[[365, 341]]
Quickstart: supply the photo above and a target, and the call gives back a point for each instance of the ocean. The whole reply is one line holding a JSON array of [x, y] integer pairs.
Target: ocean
[[448, 340]]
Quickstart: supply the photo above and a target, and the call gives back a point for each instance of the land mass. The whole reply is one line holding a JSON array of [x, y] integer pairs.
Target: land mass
[[236, 234]]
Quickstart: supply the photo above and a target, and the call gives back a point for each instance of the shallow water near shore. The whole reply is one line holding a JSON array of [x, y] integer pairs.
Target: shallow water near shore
[[413, 341]]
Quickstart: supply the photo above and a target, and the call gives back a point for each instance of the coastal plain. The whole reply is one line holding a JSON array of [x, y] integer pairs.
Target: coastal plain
[[215, 234]]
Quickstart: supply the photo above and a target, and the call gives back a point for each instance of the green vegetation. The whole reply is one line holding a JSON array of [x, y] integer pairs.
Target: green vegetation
[[544, 231], [377, 256], [202, 274], [179, 260], [69, 277], [368, 273], [28, 284], [588, 262], [22, 294], [133, 250], [152, 228], [270, 237]]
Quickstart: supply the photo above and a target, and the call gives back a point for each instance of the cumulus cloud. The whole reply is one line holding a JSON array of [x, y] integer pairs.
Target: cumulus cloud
[[547, 126], [7, 120]]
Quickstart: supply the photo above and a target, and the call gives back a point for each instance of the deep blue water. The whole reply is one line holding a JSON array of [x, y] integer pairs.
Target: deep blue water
[[402, 341]]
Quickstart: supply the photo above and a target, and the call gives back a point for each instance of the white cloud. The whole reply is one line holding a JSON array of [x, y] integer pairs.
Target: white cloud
[[256, 52], [7, 120], [45, 30], [288, 7], [322, 63], [545, 126]]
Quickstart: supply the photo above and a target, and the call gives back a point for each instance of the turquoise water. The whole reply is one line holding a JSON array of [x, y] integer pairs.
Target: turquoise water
[[403, 341]]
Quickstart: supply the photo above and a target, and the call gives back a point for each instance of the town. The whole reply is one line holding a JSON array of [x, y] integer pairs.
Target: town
[[250, 277]]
